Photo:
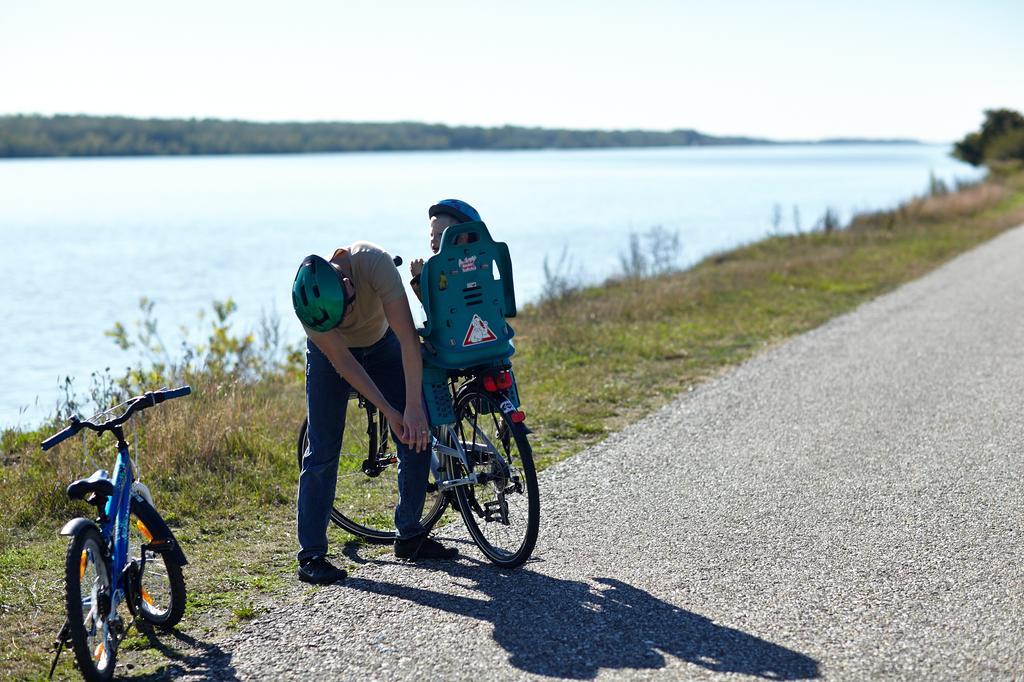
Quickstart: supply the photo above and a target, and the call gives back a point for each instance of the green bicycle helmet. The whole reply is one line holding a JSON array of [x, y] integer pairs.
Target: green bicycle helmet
[[318, 294]]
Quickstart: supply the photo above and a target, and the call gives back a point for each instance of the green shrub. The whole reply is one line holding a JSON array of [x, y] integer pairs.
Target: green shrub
[[1007, 147], [1001, 133]]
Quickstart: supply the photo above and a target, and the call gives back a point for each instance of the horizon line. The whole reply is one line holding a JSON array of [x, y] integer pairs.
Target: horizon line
[[837, 139]]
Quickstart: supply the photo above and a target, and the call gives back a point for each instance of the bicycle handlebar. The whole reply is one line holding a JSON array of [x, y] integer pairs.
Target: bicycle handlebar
[[172, 394], [62, 435], [136, 404]]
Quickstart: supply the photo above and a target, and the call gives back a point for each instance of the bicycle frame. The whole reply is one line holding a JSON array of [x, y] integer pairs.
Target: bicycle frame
[[507, 397], [459, 453], [115, 528], [449, 434]]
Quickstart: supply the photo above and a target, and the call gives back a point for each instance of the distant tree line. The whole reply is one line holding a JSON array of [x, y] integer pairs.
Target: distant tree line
[[1001, 139], [64, 135]]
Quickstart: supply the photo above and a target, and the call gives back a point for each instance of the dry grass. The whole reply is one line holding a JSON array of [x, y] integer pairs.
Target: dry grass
[[202, 451], [970, 201]]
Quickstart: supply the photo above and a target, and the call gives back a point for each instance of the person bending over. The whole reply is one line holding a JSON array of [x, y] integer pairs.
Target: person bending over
[[360, 335]]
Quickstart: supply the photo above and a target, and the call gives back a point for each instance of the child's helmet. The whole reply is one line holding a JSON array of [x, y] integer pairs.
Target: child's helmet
[[318, 294], [456, 208]]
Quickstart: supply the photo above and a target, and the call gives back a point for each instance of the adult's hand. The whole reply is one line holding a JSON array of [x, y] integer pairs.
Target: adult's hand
[[415, 429]]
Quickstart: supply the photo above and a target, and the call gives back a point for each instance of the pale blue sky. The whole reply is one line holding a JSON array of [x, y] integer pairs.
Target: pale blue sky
[[917, 68]]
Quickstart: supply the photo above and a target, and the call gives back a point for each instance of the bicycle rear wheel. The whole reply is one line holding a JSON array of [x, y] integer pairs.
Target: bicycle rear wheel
[[367, 487], [502, 512]]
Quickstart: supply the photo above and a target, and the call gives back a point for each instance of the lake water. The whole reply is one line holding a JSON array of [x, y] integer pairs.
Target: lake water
[[84, 239]]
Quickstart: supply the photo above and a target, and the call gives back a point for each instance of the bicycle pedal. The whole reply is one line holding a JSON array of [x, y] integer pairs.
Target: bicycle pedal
[[372, 467], [496, 511]]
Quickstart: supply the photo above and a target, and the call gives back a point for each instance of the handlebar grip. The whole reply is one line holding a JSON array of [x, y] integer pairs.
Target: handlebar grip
[[61, 436], [172, 394]]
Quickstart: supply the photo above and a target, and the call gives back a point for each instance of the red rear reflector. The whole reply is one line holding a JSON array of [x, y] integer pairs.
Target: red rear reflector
[[518, 417], [498, 382]]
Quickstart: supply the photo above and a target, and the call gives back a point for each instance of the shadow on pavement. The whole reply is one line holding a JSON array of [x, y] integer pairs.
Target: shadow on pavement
[[574, 629], [188, 657]]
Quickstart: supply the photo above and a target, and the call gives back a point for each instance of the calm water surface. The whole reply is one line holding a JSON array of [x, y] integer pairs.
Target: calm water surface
[[84, 239]]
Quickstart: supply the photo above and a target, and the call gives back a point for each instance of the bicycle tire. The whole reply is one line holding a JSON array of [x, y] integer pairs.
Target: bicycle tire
[[159, 596], [363, 504], [95, 646], [515, 481]]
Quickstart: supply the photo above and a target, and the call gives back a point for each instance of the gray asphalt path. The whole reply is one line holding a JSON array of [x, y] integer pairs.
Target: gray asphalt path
[[845, 506]]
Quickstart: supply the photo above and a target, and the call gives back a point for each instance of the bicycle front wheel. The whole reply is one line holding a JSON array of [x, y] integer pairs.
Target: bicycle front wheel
[[87, 593], [159, 589], [502, 510], [367, 487]]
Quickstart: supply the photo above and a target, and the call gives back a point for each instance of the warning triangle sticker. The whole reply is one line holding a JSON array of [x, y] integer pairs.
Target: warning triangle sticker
[[478, 332]]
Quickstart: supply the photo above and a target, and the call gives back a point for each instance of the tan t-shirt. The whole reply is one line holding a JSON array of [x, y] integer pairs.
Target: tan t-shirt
[[377, 282]]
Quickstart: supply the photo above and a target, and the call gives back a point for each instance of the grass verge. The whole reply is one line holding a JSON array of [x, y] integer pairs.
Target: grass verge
[[222, 465]]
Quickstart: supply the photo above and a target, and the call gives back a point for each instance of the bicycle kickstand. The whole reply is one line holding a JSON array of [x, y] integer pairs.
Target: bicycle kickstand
[[62, 638]]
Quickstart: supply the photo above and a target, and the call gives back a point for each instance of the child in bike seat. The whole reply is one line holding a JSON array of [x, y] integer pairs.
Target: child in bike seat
[[444, 213], [465, 323]]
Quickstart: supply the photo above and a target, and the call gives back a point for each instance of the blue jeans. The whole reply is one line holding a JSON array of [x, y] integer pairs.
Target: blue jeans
[[326, 401]]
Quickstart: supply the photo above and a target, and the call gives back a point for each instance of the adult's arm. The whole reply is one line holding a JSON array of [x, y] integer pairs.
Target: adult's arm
[[331, 345], [416, 430]]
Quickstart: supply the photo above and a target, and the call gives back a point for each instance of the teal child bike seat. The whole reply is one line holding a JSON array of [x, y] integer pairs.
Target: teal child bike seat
[[467, 293]]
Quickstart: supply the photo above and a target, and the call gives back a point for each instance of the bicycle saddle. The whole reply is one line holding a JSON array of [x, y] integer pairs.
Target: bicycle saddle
[[99, 483]]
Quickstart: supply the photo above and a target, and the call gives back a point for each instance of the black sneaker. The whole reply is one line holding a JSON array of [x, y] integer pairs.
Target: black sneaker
[[319, 571], [423, 547]]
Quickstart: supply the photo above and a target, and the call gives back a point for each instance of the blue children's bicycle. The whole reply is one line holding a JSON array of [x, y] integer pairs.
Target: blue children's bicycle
[[99, 575]]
